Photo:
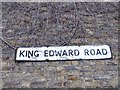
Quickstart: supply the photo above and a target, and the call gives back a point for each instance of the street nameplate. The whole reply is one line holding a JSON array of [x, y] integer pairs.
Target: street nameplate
[[63, 53]]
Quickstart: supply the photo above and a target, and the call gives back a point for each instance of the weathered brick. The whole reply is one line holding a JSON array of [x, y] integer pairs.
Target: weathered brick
[[40, 24]]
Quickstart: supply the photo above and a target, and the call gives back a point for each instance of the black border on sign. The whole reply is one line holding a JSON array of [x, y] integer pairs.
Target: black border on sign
[[77, 60], [47, 60], [16, 54]]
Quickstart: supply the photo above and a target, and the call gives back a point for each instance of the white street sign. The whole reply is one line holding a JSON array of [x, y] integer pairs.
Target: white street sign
[[63, 53]]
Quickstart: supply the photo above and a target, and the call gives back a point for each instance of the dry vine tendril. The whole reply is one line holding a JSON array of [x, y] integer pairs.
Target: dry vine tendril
[[60, 39]]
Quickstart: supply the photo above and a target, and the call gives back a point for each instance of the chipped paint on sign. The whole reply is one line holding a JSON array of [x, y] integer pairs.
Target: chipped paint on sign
[[63, 53]]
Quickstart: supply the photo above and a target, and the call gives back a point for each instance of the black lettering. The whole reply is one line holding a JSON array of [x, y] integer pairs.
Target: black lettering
[[51, 53], [21, 53], [58, 53], [64, 53], [92, 52], [76, 52], [104, 51], [36, 54], [46, 53], [30, 54], [86, 52], [98, 52], [70, 52], [26, 53]]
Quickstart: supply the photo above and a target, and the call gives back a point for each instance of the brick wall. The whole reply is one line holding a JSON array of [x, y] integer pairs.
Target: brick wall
[[56, 24]]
